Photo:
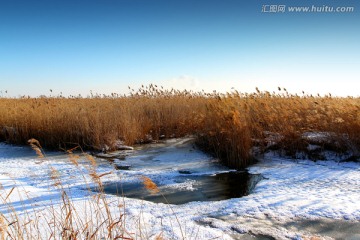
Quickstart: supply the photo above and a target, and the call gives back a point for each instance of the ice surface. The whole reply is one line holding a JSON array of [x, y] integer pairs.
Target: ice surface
[[291, 194]]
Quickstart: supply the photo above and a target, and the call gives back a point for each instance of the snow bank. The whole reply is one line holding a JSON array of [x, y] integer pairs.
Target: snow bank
[[291, 191]]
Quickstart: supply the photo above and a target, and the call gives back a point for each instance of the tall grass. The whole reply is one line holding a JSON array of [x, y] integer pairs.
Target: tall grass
[[98, 120], [228, 125]]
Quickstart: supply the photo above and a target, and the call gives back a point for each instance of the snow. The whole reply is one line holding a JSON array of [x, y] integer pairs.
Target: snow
[[291, 192]]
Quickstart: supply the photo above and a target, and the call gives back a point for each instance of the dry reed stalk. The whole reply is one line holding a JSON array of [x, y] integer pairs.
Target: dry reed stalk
[[91, 159], [35, 145], [227, 123], [150, 185], [3, 227]]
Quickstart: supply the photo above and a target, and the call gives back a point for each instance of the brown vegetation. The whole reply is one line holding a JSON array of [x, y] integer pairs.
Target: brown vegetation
[[228, 125]]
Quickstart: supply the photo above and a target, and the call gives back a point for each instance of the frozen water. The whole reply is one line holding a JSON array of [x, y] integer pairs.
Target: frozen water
[[292, 197]]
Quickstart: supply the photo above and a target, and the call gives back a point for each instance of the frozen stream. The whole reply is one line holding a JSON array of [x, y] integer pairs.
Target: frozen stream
[[293, 199], [182, 174]]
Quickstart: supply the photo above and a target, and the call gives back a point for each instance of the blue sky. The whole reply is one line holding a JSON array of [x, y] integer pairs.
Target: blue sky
[[106, 45]]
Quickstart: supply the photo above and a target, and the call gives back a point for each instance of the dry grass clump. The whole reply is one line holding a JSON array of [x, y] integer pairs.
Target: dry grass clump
[[236, 122], [292, 117], [99, 120], [226, 131], [228, 125]]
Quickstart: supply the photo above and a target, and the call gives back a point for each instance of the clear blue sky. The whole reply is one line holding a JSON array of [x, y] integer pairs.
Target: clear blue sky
[[74, 46]]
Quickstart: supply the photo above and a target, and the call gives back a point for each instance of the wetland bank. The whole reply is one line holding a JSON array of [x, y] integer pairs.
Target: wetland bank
[[280, 130]]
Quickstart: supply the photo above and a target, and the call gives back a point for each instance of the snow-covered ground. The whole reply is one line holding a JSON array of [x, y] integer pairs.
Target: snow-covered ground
[[295, 200]]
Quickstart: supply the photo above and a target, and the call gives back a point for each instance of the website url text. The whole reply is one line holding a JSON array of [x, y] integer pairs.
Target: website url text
[[307, 9]]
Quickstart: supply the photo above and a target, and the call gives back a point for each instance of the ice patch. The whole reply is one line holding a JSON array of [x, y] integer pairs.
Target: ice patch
[[291, 194]]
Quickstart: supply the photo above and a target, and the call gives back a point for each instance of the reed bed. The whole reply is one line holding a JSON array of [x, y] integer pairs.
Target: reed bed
[[227, 125]]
